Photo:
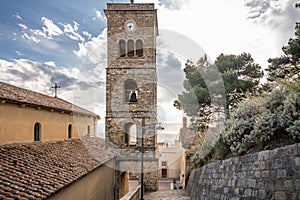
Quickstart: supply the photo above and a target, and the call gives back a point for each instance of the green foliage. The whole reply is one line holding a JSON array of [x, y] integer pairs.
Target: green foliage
[[234, 74], [260, 119], [287, 67], [219, 152], [257, 121], [293, 47]]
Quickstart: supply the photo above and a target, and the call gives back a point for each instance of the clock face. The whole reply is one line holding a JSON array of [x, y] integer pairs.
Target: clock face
[[130, 26]]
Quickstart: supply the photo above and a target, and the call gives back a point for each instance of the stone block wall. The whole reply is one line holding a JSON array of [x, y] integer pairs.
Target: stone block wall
[[271, 174]]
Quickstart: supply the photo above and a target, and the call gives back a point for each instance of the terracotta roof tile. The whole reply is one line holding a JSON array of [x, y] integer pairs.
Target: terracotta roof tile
[[19, 95], [39, 169]]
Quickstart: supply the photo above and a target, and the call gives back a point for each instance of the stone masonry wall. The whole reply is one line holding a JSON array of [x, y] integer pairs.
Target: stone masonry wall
[[271, 174]]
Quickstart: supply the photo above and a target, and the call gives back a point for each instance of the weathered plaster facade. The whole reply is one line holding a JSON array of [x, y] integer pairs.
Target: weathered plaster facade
[[21, 109], [17, 124]]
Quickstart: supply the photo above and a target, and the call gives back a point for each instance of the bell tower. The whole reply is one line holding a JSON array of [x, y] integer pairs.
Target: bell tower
[[131, 84]]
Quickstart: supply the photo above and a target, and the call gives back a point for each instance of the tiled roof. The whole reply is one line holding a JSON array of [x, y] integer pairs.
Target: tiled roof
[[19, 95], [39, 169]]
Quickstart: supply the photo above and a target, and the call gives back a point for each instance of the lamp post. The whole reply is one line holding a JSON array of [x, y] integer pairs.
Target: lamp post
[[142, 149]]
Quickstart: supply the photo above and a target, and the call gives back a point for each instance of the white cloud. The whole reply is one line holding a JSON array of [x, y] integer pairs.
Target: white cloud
[[38, 33], [71, 31], [18, 17], [23, 26], [24, 73], [31, 38], [224, 27], [50, 29], [173, 4], [76, 85], [99, 15], [50, 63], [19, 53], [277, 16], [94, 50], [89, 36]]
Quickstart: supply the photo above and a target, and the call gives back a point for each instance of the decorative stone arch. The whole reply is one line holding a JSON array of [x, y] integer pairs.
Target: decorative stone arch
[[130, 134], [37, 131], [130, 91]]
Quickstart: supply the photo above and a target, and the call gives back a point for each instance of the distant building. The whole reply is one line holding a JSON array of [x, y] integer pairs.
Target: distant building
[[171, 161], [28, 116]]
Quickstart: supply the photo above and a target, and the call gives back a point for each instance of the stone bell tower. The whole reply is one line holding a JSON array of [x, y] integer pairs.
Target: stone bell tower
[[131, 86]]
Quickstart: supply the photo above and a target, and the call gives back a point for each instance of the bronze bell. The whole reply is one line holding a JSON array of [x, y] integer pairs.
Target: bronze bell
[[133, 98]]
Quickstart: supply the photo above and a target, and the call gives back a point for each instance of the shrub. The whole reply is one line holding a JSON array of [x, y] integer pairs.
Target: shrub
[[261, 119]]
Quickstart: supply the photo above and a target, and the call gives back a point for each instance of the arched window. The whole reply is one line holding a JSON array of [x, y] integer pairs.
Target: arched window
[[122, 48], [88, 130], [131, 95], [37, 131], [139, 48], [130, 131], [70, 131], [130, 48]]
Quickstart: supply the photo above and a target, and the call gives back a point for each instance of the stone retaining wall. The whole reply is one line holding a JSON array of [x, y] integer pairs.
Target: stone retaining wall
[[271, 174], [134, 194]]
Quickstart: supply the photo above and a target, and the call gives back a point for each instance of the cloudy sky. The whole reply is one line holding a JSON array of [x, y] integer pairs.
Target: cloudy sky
[[43, 42]]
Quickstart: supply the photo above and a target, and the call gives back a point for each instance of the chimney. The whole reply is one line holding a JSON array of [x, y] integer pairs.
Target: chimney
[[184, 122]]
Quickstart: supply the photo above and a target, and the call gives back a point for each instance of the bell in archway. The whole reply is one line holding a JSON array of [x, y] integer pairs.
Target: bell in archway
[[133, 98]]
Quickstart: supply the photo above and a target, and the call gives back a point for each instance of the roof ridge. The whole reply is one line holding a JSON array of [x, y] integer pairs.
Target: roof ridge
[[25, 89], [23, 95]]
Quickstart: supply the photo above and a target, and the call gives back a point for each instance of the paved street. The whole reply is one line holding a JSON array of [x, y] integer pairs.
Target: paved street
[[164, 192], [167, 195]]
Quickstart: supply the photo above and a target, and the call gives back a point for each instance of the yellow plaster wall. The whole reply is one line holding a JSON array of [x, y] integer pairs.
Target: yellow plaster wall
[[17, 124], [97, 185]]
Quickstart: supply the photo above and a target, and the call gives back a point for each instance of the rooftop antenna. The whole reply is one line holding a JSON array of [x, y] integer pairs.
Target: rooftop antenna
[[55, 89]]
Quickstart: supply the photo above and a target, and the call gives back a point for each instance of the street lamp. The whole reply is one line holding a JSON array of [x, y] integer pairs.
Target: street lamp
[[142, 149]]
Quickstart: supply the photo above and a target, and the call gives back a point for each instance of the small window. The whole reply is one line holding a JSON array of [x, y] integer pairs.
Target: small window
[[122, 47], [130, 48], [88, 130], [164, 163], [37, 131], [70, 131], [139, 48]]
